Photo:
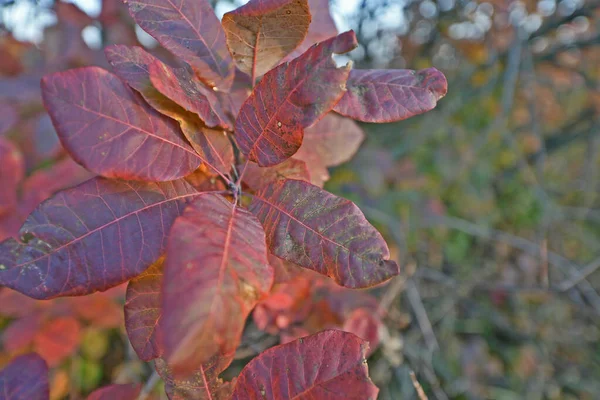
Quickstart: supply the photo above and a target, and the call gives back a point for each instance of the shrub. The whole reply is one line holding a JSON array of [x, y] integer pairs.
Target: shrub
[[208, 187]]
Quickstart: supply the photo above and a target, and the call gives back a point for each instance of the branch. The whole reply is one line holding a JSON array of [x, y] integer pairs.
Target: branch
[[581, 275], [418, 387], [580, 44], [149, 386]]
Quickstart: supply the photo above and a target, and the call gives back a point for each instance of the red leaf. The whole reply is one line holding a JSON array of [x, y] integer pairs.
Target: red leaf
[[111, 131], [364, 324], [321, 27], [14, 304], [190, 30], [328, 365], [391, 95], [20, 333], [12, 170], [331, 141], [203, 384], [8, 117], [290, 98], [92, 237], [202, 181], [44, 182], [57, 340], [99, 310], [261, 33], [217, 257], [172, 91], [25, 378], [9, 225], [317, 230], [116, 392], [319, 174], [132, 64], [309, 303], [284, 270], [181, 86], [142, 312], [238, 93], [257, 177], [213, 145], [38, 187]]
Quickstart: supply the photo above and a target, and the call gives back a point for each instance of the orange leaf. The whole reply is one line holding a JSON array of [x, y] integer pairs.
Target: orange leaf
[[58, 339], [261, 33]]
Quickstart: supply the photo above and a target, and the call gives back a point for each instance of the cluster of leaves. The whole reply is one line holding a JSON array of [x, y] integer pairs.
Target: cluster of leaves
[[34, 164], [54, 329], [208, 182], [71, 330]]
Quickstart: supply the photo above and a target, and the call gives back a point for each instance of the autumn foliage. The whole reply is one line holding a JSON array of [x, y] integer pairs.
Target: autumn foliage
[[206, 190]]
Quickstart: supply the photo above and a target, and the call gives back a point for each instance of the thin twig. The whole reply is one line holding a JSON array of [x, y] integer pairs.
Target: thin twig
[[427, 373], [418, 387], [423, 320], [394, 288], [149, 386], [581, 275], [255, 348], [533, 249], [544, 274]]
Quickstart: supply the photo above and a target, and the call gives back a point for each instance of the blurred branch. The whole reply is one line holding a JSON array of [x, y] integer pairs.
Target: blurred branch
[[423, 320], [557, 139], [586, 11], [149, 386], [576, 45], [394, 288], [427, 372], [533, 249], [511, 75], [418, 387], [525, 245], [581, 275]]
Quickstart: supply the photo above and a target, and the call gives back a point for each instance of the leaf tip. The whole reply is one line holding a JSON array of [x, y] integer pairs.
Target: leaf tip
[[345, 42], [435, 81]]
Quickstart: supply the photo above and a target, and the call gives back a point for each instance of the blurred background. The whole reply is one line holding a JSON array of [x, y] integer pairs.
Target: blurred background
[[490, 201]]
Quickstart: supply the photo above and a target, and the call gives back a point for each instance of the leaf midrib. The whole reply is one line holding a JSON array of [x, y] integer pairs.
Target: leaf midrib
[[313, 230], [68, 244]]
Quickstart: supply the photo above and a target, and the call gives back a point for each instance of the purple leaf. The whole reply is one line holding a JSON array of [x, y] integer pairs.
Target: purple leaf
[[12, 171], [216, 270], [116, 392], [132, 64], [142, 312], [202, 384], [92, 237], [190, 30], [321, 27], [391, 95], [111, 131], [182, 87], [329, 365], [290, 98], [262, 32], [330, 142], [257, 177], [9, 116], [317, 230], [25, 378]]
